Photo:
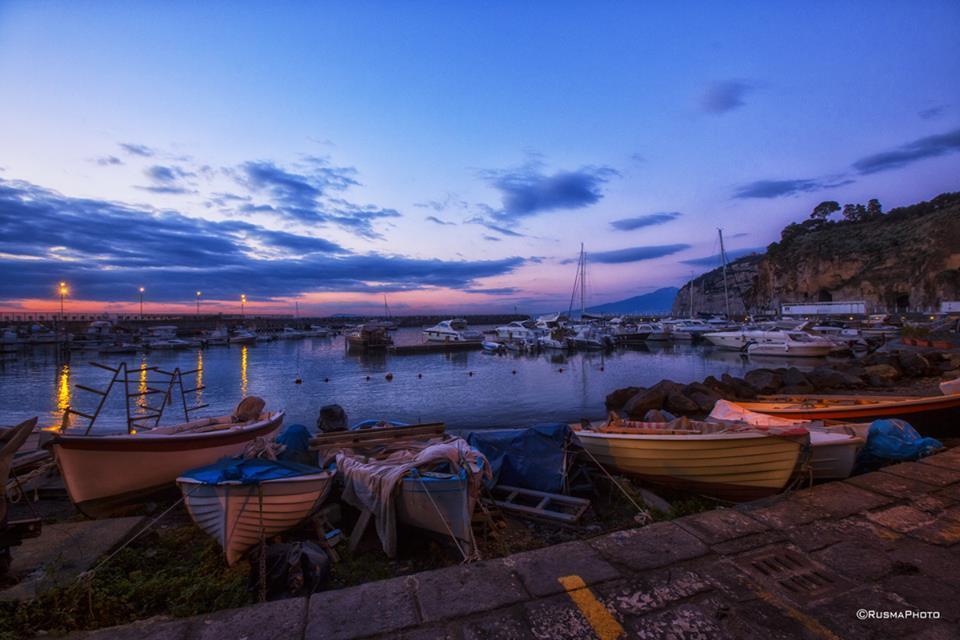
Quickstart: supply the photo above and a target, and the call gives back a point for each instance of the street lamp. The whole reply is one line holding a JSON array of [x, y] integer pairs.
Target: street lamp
[[63, 293], [141, 303], [243, 302], [198, 303]]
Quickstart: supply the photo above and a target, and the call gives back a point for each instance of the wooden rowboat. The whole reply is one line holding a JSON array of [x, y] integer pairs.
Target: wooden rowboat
[[923, 412], [261, 499], [103, 472], [735, 464]]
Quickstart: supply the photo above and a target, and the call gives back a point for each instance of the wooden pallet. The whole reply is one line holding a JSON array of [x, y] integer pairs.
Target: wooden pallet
[[369, 437], [540, 504]]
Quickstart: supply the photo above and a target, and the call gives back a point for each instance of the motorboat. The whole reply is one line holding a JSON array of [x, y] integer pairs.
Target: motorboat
[[735, 463], [519, 330], [218, 336], [553, 343], [589, 338], [834, 446], [39, 334], [241, 335], [372, 336], [289, 333], [490, 346], [318, 331], [689, 330], [164, 337], [794, 344], [119, 347], [241, 502], [103, 471], [624, 330], [656, 332], [455, 330]]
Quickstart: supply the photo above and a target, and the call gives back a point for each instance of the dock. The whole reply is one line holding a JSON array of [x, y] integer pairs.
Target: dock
[[822, 563], [434, 347]]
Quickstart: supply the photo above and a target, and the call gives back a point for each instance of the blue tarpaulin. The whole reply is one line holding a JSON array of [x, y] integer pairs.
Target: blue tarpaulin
[[296, 439], [894, 440], [253, 471], [531, 458]]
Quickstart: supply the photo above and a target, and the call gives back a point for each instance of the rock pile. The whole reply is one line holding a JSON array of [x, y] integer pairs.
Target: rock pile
[[876, 370]]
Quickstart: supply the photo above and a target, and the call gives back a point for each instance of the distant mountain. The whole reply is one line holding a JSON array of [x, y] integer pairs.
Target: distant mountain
[[658, 301]]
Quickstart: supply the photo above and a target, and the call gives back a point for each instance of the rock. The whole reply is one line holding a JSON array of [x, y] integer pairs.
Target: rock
[[951, 375], [704, 401], [740, 387], [936, 357], [764, 380], [797, 389], [332, 418], [681, 404], [637, 406], [656, 415], [794, 377], [824, 377], [882, 371], [878, 357], [722, 389], [616, 400], [913, 364]]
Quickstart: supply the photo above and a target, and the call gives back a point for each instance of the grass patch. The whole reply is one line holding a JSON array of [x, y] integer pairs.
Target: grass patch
[[176, 571]]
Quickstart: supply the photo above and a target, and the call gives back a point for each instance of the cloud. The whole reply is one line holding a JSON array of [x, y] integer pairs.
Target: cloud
[[651, 219], [106, 161], [714, 260], [920, 149], [721, 97], [527, 191], [494, 291], [491, 238], [137, 149], [742, 234], [779, 188], [437, 220], [106, 249], [483, 222], [932, 112], [633, 254], [450, 201], [167, 179]]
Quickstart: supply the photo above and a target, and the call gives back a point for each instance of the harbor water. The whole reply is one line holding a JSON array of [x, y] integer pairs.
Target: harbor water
[[466, 390]]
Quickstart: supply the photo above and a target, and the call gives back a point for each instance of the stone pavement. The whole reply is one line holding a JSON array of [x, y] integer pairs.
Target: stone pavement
[[801, 566]]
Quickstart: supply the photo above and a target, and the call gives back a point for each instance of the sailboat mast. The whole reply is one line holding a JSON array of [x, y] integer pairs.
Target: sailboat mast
[[691, 294], [583, 281], [723, 260]]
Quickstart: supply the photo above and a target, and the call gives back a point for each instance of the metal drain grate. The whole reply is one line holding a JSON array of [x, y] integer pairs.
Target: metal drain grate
[[792, 574]]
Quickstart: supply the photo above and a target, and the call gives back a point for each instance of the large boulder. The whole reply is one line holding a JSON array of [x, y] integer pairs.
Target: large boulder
[[722, 389], [704, 396], [824, 377], [882, 371], [913, 364], [797, 389], [638, 406], [794, 377], [741, 389], [764, 380], [879, 357], [616, 400], [680, 404]]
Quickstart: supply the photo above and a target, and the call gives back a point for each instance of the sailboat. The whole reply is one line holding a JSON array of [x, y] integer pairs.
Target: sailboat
[[387, 322]]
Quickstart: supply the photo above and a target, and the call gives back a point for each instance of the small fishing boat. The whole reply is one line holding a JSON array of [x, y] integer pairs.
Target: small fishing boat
[[455, 330], [922, 412], [372, 336], [104, 471], [833, 446], [492, 347], [735, 463], [241, 502]]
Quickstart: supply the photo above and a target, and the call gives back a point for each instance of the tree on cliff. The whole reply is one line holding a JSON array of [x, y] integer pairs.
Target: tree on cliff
[[823, 210], [874, 208], [854, 212]]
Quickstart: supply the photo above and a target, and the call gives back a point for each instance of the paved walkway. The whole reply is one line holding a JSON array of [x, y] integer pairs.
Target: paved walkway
[[799, 567]]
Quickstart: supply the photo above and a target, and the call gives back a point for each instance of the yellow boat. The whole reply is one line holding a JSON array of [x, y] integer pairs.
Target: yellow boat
[[732, 463]]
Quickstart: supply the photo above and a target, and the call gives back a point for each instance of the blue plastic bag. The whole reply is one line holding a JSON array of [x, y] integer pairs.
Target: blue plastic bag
[[894, 440]]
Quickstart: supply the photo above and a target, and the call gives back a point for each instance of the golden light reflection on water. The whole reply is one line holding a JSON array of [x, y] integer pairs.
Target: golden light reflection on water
[[199, 385], [243, 371], [63, 390], [142, 402]]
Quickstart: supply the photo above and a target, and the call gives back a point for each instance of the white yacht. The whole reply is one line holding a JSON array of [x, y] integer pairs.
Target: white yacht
[[691, 329], [795, 344], [289, 333], [655, 331], [525, 330], [318, 331], [164, 336], [590, 338], [455, 330]]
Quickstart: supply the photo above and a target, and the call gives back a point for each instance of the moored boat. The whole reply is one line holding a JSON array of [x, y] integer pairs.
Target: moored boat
[[369, 337], [240, 502], [800, 346], [455, 330], [103, 471], [722, 461]]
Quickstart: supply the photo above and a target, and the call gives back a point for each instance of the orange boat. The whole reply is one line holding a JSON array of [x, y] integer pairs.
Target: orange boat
[[922, 412]]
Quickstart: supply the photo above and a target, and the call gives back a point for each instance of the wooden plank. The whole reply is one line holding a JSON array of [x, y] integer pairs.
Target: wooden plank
[[579, 505], [362, 522], [367, 437]]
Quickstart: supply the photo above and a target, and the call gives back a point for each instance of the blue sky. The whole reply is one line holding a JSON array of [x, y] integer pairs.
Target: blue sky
[[451, 155]]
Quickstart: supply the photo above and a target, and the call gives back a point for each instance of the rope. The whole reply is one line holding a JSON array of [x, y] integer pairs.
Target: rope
[[456, 541], [645, 514], [263, 549]]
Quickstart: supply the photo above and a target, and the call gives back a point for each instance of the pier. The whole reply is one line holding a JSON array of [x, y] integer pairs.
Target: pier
[[823, 563]]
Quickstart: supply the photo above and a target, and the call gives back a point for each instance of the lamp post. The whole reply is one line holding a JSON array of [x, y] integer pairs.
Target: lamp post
[[141, 303], [198, 303], [63, 294], [243, 302]]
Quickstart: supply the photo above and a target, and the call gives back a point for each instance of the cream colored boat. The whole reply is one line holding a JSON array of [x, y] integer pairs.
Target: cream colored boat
[[730, 463], [103, 472], [240, 513]]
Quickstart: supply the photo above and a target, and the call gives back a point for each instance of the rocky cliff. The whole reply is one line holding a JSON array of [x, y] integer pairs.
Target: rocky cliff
[[904, 260]]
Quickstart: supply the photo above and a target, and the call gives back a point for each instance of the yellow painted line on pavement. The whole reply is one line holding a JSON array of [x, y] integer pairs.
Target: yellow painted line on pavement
[[604, 625], [809, 622]]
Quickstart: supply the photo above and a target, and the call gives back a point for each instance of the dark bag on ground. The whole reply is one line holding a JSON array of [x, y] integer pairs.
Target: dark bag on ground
[[294, 569]]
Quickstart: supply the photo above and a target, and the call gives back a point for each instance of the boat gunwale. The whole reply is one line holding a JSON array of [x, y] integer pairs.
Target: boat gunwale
[[309, 477]]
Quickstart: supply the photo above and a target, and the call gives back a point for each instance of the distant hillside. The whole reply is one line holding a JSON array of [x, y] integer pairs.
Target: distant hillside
[[904, 260], [658, 301]]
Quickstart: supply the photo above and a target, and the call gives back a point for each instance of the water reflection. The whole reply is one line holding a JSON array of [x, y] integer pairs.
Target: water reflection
[[63, 391], [243, 371], [142, 404], [199, 384]]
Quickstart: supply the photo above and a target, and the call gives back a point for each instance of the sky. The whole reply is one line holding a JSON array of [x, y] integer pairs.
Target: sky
[[451, 156]]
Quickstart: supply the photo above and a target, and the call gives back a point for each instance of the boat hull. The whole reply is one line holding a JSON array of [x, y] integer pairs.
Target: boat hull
[[231, 512], [102, 473], [440, 505], [734, 467]]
